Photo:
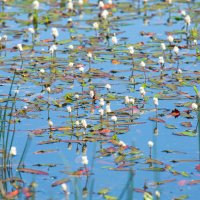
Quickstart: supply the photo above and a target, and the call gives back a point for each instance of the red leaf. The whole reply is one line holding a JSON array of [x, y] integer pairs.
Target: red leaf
[[182, 182], [156, 119], [32, 171], [197, 167], [12, 194], [27, 192], [59, 182], [175, 113]]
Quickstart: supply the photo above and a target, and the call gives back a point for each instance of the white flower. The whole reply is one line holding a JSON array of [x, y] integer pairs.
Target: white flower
[[91, 93], [42, 71], [53, 48], [170, 38], [161, 60], [13, 151], [48, 89], [54, 32], [77, 123], [70, 47], [84, 160], [150, 144], [20, 48], [101, 4], [5, 37], [89, 55], [132, 101], [16, 91], [70, 20], [187, 19], [101, 112], [114, 118], [101, 102], [96, 25], [163, 46], [142, 91], [121, 143], [80, 2], [36, 5], [31, 30], [84, 123], [108, 109], [71, 64], [126, 100], [70, 5], [142, 64], [69, 109], [155, 101], [110, 2], [114, 39], [194, 106], [183, 12], [176, 50], [104, 14], [195, 42], [81, 69], [50, 123], [157, 193], [76, 96], [179, 71], [64, 187], [108, 86], [131, 50]]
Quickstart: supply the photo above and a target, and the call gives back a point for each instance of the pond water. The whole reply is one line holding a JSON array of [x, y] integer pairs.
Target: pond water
[[145, 148]]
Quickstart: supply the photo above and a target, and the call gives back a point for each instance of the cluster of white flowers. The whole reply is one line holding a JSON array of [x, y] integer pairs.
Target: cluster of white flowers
[[142, 91], [126, 100], [91, 94], [176, 50], [54, 32], [96, 25], [155, 101], [36, 5], [104, 14], [163, 46], [150, 144], [131, 50], [142, 64], [13, 151], [69, 109], [114, 39], [114, 118], [194, 106], [50, 123], [20, 48], [84, 123], [108, 86], [170, 38], [161, 60], [101, 102], [89, 55], [84, 160], [52, 49]]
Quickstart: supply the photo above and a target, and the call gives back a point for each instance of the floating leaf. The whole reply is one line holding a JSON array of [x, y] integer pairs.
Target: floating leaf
[[60, 182], [32, 171], [189, 133], [156, 119], [12, 195], [186, 124], [170, 126], [108, 197], [103, 191]]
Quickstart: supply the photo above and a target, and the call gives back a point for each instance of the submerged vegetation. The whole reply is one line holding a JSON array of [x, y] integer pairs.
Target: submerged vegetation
[[99, 99]]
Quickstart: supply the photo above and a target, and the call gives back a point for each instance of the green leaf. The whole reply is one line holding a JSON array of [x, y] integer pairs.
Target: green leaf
[[182, 197], [108, 197], [170, 126], [103, 191], [189, 133], [196, 90], [148, 196]]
